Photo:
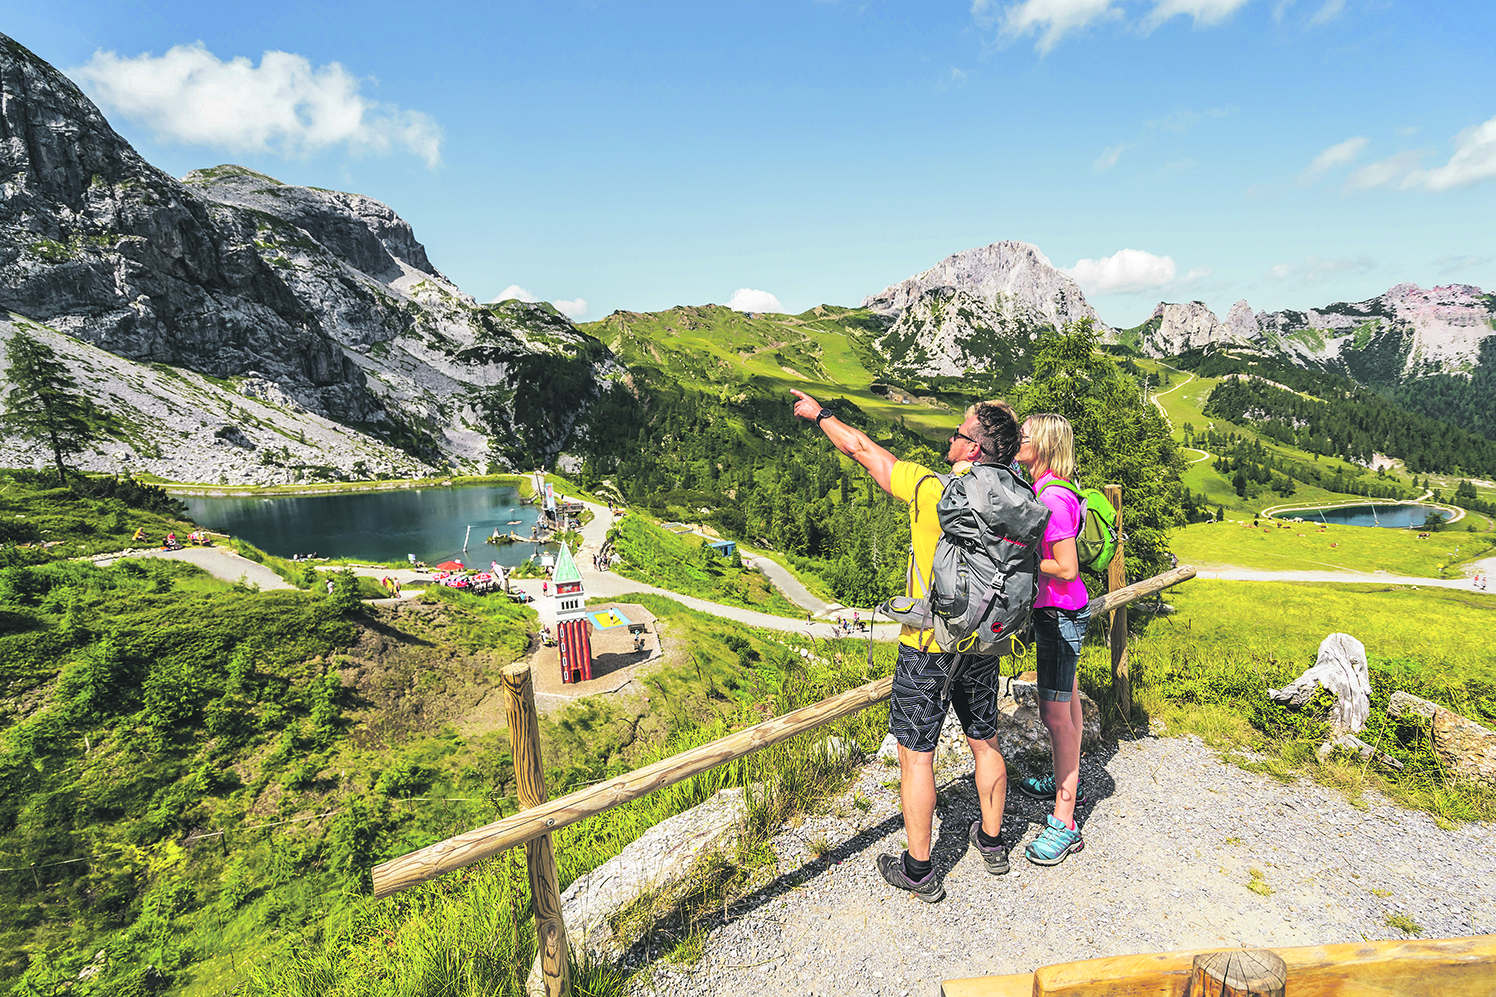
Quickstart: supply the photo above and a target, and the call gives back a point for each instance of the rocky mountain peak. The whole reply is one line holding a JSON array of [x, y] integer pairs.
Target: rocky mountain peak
[[363, 232], [1014, 278]]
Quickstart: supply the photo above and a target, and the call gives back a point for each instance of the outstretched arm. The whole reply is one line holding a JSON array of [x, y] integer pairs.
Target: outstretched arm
[[849, 440]]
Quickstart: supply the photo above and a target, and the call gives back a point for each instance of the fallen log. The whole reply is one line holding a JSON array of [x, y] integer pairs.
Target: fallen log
[[1463, 746]]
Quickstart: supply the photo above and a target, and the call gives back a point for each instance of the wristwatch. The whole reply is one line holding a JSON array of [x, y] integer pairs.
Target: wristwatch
[[824, 413]]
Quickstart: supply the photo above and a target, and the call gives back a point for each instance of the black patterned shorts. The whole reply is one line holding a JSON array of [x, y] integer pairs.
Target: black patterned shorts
[[916, 711]]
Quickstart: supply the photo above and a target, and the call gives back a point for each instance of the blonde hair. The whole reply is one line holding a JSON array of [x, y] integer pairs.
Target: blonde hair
[[1054, 444]]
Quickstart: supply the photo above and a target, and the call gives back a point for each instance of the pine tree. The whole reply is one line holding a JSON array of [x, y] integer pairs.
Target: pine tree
[[42, 403]]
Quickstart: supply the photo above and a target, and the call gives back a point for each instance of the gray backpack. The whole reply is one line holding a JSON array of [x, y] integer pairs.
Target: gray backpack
[[985, 574]]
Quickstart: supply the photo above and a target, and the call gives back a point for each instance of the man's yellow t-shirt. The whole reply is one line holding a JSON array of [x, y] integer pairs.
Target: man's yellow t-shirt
[[924, 534]]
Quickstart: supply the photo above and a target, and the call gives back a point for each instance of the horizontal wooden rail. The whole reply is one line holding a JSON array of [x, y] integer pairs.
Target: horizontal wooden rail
[[480, 843], [472, 846], [1138, 590], [1436, 967]]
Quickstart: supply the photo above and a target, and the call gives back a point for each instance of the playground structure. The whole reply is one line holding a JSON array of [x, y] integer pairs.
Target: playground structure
[[573, 632]]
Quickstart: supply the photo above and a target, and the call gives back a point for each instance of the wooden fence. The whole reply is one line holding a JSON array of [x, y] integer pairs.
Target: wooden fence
[[532, 826]]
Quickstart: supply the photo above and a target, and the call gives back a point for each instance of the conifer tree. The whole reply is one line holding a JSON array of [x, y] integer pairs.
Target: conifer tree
[[42, 403]]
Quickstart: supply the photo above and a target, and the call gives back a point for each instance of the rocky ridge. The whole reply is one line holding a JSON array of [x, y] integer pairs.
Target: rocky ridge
[[975, 308], [1393, 338], [322, 297]]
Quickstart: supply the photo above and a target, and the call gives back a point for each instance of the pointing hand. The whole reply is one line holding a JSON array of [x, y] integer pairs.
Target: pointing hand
[[807, 407]]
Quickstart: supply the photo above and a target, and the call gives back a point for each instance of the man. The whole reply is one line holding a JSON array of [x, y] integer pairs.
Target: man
[[988, 434]]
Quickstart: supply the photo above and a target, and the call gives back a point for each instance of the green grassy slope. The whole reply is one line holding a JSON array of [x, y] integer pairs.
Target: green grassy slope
[[823, 351]]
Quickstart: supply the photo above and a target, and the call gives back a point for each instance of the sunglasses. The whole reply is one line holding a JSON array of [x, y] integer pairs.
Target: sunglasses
[[962, 436]]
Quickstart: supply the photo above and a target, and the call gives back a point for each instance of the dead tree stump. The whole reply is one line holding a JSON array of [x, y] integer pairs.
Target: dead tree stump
[[1238, 973]]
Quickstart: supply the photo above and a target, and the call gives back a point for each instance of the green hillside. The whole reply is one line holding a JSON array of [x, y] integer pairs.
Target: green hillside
[[825, 351]]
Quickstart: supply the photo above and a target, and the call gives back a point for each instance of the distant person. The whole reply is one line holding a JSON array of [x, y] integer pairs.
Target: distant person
[[139, 535], [1060, 618], [330, 586], [917, 708]]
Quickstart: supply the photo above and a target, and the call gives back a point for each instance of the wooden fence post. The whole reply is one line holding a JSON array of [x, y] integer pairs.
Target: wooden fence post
[[540, 858], [1117, 636]]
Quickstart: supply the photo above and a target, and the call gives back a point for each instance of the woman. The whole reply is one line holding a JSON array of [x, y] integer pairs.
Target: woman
[[1047, 450]]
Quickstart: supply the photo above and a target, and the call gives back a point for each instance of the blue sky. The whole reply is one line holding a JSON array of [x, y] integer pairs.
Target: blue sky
[[641, 155]]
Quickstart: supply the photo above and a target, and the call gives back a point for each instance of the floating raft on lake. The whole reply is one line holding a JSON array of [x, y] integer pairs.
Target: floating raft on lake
[[514, 538]]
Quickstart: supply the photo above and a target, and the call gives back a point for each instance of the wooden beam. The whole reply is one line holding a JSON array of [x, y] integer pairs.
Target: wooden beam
[[1016, 985], [1442, 967], [540, 857], [1137, 590], [1116, 579], [465, 849]]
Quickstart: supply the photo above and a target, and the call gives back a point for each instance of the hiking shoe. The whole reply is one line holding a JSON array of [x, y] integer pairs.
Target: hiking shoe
[[1044, 789], [1054, 843], [928, 889], [996, 857]]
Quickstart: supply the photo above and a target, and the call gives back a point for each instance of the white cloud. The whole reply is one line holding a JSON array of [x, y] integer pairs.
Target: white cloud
[[746, 299], [1338, 154], [1204, 12], [572, 309], [1387, 172], [1474, 160], [1331, 10], [284, 105], [957, 79], [1110, 155], [1448, 264], [515, 292], [1050, 19], [1182, 119], [1127, 271], [1314, 269]]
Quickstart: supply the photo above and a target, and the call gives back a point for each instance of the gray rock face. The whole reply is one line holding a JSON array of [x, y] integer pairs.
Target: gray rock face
[[1406, 333], [947, 331], [1013, 277], [975, 309], [326, 298], [1395, 337], [1175, 328], [99, 244]]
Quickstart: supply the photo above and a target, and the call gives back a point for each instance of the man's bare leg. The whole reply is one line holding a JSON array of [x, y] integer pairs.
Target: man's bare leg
[[991, 781], [917, 794]]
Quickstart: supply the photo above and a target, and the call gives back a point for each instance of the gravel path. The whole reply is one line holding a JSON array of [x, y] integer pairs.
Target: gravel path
[[220, 562], [1172, 834], [1357, 577]]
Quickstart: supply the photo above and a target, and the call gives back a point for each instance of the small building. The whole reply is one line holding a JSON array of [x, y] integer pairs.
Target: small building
[[724, 548], [573, 632]]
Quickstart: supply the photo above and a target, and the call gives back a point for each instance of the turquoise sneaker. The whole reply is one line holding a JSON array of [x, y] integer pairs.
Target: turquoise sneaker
[[1054, 843], [1044, 789]]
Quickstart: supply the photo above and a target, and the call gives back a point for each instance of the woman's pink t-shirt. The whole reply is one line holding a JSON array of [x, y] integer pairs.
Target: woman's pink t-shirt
[[1064, 523]]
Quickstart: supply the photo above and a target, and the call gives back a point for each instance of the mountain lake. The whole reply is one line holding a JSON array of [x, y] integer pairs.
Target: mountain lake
[[430, 523], [1399, 517]]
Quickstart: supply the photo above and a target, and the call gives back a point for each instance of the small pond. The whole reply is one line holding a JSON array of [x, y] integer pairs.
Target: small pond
[[1392, 516], [431, 523]]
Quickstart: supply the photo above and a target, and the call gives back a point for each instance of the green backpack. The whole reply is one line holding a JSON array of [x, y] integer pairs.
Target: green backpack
[[1096, 543]]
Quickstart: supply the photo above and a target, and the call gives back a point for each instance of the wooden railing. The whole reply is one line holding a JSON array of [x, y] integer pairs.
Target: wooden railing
[[532, 826]]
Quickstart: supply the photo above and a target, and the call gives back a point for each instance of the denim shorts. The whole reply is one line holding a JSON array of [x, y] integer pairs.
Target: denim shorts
[[1057, 636], [916, 711]]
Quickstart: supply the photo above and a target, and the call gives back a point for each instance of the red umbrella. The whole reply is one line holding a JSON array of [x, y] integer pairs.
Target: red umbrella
[[449, 566]]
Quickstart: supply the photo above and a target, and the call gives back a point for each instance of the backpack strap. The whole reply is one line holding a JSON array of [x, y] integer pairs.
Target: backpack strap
[[1081, 519], [914, 501]]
